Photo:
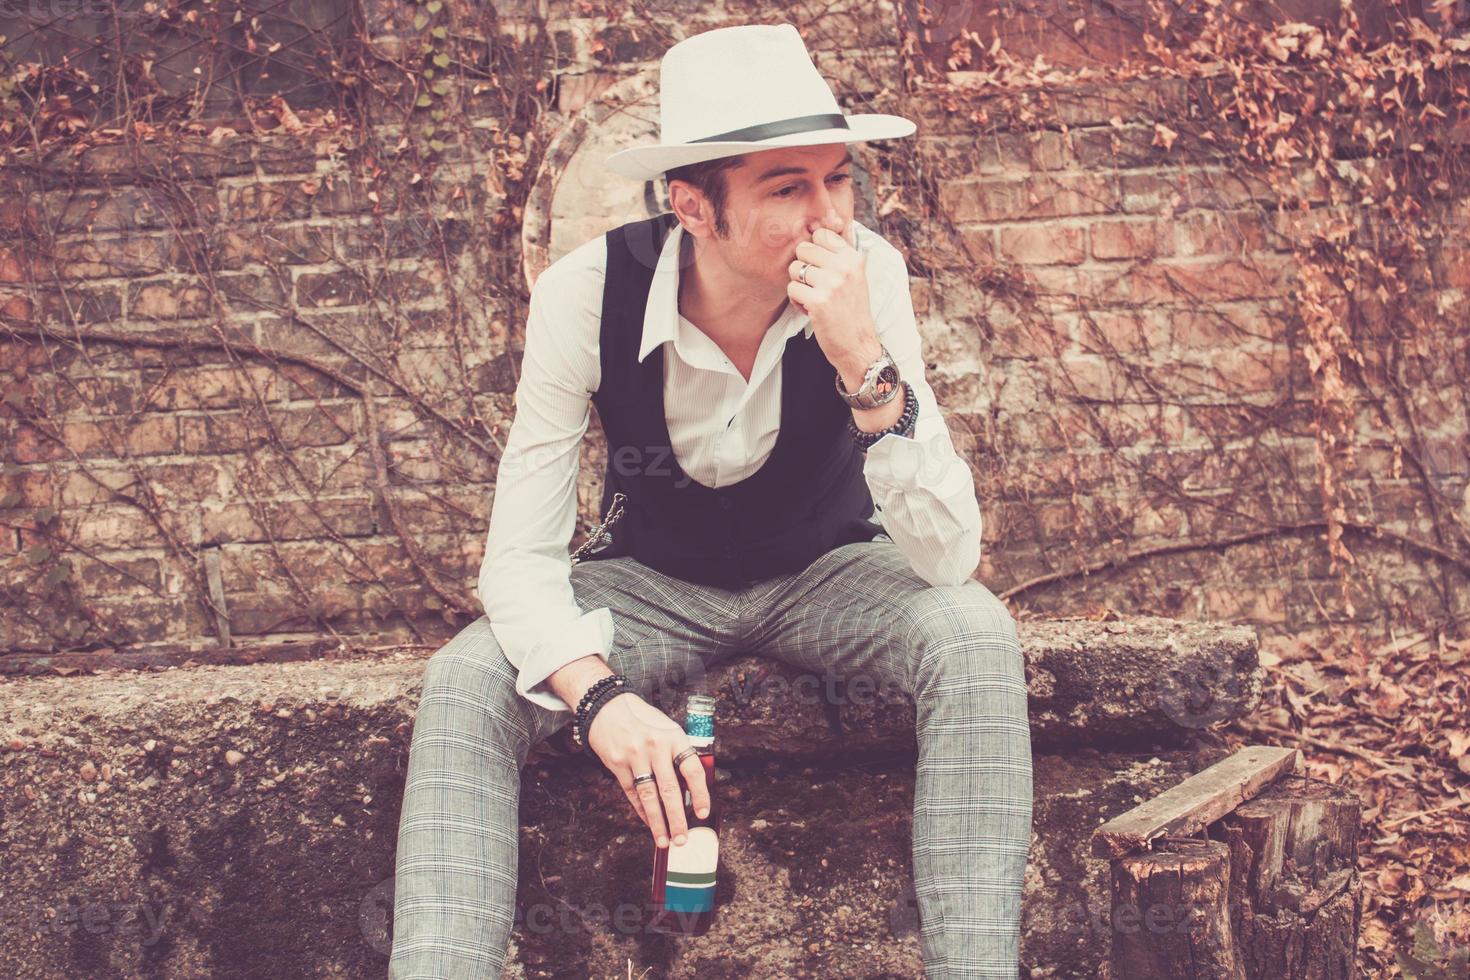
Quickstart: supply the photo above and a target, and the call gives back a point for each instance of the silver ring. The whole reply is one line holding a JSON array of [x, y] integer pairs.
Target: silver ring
[[684, 755], [802, 274], [645, 778]]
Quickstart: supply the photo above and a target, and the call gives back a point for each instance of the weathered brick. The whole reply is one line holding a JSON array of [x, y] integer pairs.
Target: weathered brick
[[168, 300], [277, 200], [129, 209], [31, 489], [1066, 288], [1128, 240], [1033, 336], [249, 291], [442, 510], [146, 435], [213, 386], [1036, 196], [1208, 282], [182, 157], [345, 288], [1140, 100], [79, 304], [1255, 604], [402, 236], [149, 619], [116, 575], [267, 243], [574, 91], [288, 520], [1091, 377], [320, 424], [412, 285], [30, 444], [1121, 331], [129, 255], [334, 468], [119, 525], [1002, 153], [1126, 148], [95, 484], [979, 245], [345, 193], [255, 613], [1043, 244], [1223, 325], [1221, 233]]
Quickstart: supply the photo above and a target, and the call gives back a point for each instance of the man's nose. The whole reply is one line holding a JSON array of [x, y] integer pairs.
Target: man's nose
[[827, 215]]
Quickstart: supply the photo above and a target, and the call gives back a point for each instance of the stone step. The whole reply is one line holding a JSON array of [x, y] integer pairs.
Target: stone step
[[1090, 683], [242, 819]]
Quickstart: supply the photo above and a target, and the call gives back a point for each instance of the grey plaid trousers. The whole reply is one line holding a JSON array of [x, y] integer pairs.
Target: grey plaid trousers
[[858, 610]]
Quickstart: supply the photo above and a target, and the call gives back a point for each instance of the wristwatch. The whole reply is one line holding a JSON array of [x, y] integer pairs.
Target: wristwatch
[[880, 383]]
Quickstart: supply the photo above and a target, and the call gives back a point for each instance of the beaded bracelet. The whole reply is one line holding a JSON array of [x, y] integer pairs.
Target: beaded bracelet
[[579, 719], [903, 427], [596, 706]]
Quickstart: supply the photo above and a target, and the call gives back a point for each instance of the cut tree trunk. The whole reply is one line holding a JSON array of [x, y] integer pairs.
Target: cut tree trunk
[[1171, 917], [1295, 895]]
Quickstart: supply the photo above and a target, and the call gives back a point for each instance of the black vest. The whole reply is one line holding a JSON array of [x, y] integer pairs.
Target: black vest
[[806, 499]]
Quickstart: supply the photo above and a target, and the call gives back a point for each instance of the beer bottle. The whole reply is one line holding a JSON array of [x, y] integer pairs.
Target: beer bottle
[[684, 875]]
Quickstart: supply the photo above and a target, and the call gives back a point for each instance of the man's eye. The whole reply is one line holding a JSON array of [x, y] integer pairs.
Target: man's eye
[[786, 191]]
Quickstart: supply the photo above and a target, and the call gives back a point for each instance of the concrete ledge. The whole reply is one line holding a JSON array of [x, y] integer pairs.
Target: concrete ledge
[[1106, 684], [217, 819]]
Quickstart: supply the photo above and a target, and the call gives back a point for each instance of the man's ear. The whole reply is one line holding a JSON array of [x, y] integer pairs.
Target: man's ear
[[691, 209]]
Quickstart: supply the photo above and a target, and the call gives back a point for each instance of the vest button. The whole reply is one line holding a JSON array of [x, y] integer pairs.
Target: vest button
[[726, 503]]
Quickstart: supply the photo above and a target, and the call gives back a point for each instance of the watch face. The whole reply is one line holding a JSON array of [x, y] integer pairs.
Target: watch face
[[887, 379]]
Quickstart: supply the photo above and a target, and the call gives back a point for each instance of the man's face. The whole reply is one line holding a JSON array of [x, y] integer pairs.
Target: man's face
[[777, 199]]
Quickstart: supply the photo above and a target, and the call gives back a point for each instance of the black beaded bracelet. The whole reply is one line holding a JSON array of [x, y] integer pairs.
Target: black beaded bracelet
[[596, 706], [903, 427], [579, 718]]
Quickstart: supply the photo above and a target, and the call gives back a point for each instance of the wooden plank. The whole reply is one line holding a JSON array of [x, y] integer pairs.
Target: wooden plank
[[1197, 802], [217, 596]]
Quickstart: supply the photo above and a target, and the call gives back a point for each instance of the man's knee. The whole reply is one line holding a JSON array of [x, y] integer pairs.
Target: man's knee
[[968, 639], [470, 674]]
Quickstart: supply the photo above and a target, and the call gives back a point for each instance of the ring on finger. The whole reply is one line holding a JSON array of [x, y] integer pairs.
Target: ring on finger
[[679, 759], [802, 274], [647, 777]]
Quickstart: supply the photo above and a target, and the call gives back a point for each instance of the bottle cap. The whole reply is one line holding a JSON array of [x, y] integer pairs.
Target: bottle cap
[[699, 719]]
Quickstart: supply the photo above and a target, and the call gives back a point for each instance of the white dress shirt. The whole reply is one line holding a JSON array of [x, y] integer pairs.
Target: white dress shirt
[[722, 429]]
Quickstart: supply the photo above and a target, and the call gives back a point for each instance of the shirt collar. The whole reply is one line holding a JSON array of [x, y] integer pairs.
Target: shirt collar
[[661, 316]]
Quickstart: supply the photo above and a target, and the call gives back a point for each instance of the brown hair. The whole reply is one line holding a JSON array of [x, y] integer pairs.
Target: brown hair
[[709, 179]]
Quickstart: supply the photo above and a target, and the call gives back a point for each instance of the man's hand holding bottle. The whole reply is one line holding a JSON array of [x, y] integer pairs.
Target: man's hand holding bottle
[[633, 737]]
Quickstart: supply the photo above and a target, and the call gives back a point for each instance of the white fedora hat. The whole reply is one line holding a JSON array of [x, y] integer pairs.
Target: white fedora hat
[[742, 90]]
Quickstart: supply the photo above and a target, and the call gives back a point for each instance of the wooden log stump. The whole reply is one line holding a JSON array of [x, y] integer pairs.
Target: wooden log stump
[[1294, 892], [1269, 891], [1171, 914]]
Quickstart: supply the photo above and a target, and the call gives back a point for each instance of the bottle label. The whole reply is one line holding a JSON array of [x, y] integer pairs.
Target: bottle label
[[690, 880]]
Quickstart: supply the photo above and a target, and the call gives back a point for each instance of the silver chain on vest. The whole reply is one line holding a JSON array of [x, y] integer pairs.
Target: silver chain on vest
[[614, 511]]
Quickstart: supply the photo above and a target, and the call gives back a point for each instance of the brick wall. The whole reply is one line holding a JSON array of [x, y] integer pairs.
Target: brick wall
[[263, 380]]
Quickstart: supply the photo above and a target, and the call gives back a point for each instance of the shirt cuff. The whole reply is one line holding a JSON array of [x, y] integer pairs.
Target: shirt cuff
[[925, 461], [590, 633]]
